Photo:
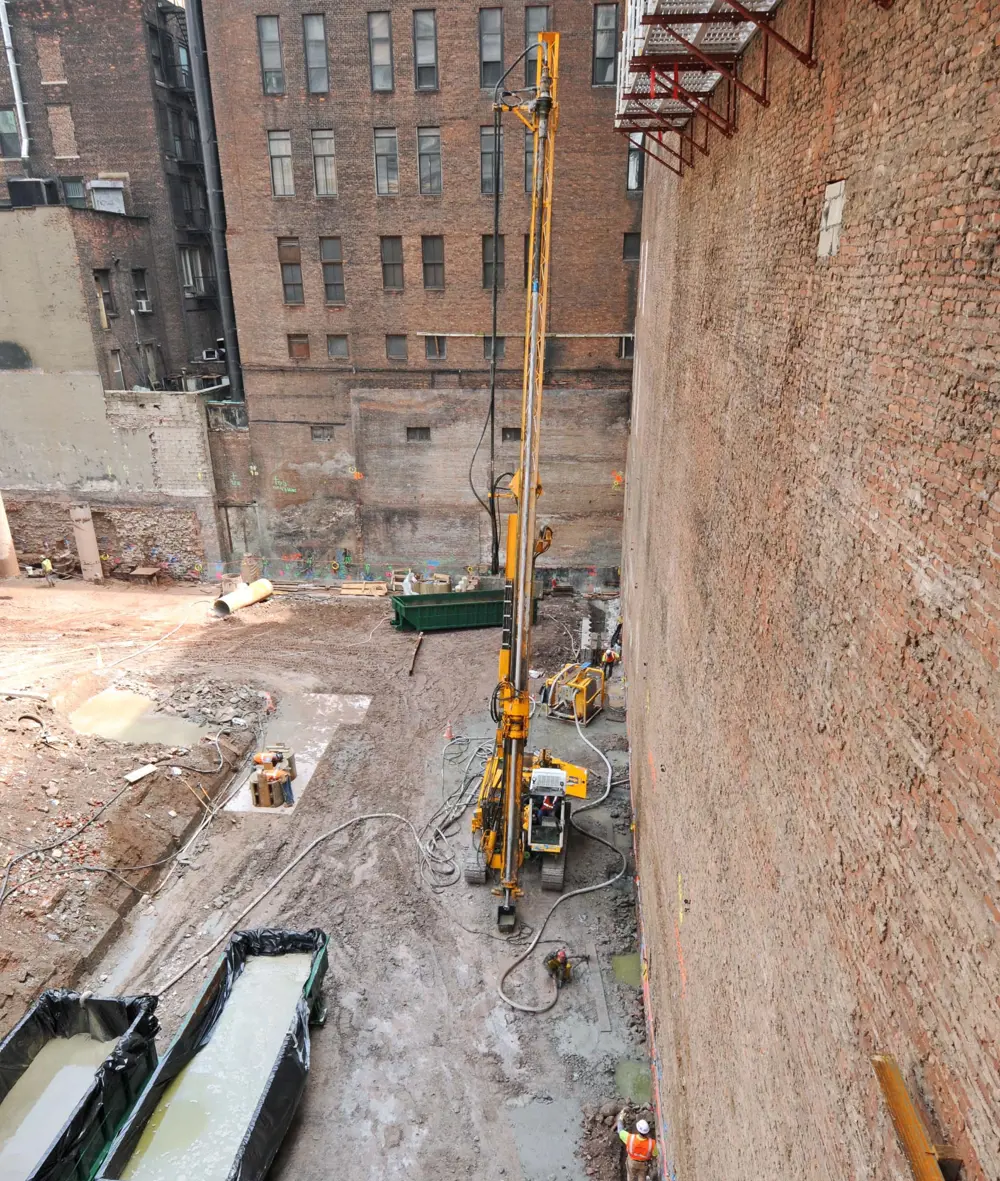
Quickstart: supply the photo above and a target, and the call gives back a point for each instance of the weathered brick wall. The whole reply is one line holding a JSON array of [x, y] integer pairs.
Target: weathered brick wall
[[813, 604], [593, 288]]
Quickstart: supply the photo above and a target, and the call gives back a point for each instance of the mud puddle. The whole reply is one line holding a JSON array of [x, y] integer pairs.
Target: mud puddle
[[633, 1081], [44, 1098], [627, 969], [305, 722], [123, 716]]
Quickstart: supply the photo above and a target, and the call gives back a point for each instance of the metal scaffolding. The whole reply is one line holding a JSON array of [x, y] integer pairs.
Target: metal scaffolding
[[680, 73]]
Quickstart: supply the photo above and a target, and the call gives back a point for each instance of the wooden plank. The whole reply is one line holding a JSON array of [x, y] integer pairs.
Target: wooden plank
[[920, 1153], [416, 649]]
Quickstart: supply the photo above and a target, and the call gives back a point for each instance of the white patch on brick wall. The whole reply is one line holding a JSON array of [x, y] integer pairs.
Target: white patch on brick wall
[[833, 213]]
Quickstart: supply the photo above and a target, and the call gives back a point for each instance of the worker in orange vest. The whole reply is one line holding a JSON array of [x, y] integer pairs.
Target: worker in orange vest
[[640, 1148]]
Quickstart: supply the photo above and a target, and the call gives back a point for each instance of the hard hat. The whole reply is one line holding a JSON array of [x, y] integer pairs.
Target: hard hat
[[561, 954], [642, 1127]]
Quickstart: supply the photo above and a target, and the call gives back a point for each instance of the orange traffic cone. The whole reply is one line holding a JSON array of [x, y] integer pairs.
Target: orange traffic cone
[[449, 733]]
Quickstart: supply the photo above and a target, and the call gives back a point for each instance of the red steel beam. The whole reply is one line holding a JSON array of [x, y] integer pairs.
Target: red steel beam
[[696, 18], [759, 19], [716, 64], [659, 159], [667, 61], [692, 101]]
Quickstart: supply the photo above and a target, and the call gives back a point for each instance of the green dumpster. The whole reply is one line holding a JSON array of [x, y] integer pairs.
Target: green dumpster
[[450, 611]]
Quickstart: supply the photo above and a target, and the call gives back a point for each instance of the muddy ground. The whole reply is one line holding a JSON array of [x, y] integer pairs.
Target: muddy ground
[[421, 1070]]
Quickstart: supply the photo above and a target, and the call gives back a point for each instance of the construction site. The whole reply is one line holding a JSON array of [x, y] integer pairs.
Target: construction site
[[567, 749]]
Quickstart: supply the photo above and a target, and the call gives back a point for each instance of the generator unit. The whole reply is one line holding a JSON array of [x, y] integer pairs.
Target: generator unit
[[271, 779]]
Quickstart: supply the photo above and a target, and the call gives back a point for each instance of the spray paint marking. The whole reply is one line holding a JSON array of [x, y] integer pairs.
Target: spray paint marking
[[682, 968], [617, 479]]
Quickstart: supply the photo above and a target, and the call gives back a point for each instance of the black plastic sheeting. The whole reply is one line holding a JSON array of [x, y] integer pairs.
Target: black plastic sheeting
[[281, 1091], [118, 1081]]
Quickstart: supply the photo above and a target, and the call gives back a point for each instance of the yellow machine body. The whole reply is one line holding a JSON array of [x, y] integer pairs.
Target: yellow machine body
[[577, 691]]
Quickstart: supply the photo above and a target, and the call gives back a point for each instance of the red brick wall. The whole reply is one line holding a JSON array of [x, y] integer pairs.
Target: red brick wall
[[593, 289], [813, 602]]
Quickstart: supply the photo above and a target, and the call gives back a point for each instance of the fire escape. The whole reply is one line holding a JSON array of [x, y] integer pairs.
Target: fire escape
[[680, 75]]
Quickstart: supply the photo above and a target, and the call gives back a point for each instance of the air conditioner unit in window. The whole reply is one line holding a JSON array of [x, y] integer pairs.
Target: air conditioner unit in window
[[144, 305], [211, 355]]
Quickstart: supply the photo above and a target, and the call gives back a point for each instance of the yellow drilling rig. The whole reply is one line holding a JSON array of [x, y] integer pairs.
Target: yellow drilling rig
[[523, 807]]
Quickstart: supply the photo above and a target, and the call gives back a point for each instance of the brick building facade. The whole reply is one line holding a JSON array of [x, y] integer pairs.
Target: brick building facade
[[354, 150], [812, 572], [111, 127]]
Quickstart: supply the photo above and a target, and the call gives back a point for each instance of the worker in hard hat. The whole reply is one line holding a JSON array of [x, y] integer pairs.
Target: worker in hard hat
[[559, 967], [640, 1148]]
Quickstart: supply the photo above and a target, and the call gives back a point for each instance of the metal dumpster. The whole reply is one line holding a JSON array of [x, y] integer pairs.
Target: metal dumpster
[[70, 1072], [224, 1094], [449, 612]]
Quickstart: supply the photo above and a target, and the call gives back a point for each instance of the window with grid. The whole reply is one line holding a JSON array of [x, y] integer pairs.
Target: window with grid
[[380, 49], [317, 66], [10, 140], [156, 53], [418, 434], [332, 258], [510, 434], [392, 263], [192, 270], [279, 148], [536, 20], [605, 44], [429, 160], [74, 193], [107, 295], [336, 347], [324, 163], [386, 162], [490, 160], [488, 261], [488, 347], [529, 160], [630, 247], [139, 288], [435, 348], [298, 346], [432, 247], [425, 61], [395, 348], [626, 347], [636, 163], [490, 46], [290, 258], [272, 67]]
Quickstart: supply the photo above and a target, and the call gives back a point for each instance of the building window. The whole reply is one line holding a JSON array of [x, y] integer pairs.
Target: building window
[[489, 154], [626, 347], [317, 67], [527, 259], [117, 372], [392, 263], [175, 144], [336, 347], [139, 289], [386, 162], [395, 348], [380, 49], [433, 255], [490, 46], [324, 163], [298, 346], [630, 247], [10, 141], [425, 50], [279, 147], [418, 434], [325, 432], [149, 359], [636, 163], [192, 273], [183, 66], [510, 434], [435, 348], [332, 258], [488, 347], [605, 44], [74, 193], [488, 261], [105, 294], [536, 20], [290, 258], [529, 160], [271, 66], [429, 159], [156, 53]]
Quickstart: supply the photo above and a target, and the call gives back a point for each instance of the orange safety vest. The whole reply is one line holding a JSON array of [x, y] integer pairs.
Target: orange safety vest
[[640, 1147]]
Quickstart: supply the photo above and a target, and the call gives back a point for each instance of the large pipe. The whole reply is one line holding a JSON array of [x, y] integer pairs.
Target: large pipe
[[15, 80], [213, 187], [243, 596]]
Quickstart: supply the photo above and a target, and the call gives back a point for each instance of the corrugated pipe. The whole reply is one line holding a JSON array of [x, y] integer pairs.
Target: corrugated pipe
[[243, 596], [15, 80]]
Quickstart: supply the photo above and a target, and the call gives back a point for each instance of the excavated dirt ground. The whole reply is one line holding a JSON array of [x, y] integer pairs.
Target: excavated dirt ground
[[421, 1070]]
